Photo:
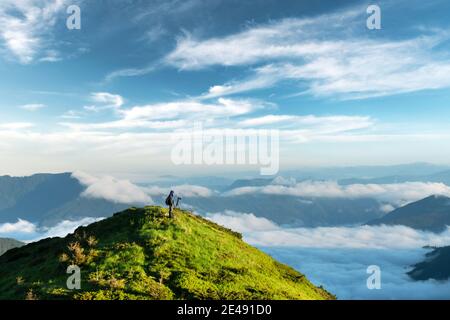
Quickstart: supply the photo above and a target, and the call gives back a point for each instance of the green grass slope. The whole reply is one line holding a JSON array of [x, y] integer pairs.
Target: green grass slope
[[142, 254]]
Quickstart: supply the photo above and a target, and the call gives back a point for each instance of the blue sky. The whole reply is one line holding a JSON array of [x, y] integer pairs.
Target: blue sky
[[108, 97]]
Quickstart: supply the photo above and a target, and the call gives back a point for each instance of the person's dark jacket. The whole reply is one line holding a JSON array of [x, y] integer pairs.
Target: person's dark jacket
[[170, 199]]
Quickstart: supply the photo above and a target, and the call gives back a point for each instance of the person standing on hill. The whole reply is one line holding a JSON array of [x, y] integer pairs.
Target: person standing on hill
[[170, 202]]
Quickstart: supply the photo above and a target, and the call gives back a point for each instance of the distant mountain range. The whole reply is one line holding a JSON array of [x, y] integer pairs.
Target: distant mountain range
[[431, 214], [7, 244], [435, 266], [344, 175], [294, 211], [367, 172], [49, 198], [439, 177]]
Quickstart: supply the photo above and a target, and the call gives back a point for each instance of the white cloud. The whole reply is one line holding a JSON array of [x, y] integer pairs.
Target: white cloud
[[266, 120], [21, 226], [396, 193], [29, 232], [16, 126], [25, 33], [191, 108], [109, 188], [114, 100], [387, 208], [106, 101], [234, 87], [126, 124], [185, 190], [263, 232], [33, 106], [72, 114], [310, 123], [329, 53], [375, 237], [68, 151], [242, 222], [130, 72], [64, 227], [170, 115]]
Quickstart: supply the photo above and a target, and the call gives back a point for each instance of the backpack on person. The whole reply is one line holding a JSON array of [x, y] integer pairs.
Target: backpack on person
[[168, 201]]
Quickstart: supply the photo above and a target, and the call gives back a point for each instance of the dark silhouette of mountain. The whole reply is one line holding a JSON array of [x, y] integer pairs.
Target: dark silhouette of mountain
[[431, 214], [142, 254], [435, 266], [49, 198], [7, 244], [40, 193]]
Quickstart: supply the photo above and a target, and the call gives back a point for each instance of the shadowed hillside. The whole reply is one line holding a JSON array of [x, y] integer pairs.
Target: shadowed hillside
[[431, 214], [48, 199]]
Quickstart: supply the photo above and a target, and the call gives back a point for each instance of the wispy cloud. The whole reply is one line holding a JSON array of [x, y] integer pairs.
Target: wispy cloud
[[222, 108], [323, 124], [72, 114], [33, 106], [129, 72], [105, 101], [25, 27], [396, 193], [167, 115], [108, 99], [327, 55]]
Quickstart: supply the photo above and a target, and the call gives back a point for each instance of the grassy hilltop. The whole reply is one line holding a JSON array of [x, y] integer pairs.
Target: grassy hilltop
[[142, 254]]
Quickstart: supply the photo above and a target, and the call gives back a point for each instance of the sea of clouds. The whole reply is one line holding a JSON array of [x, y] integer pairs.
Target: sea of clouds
[[338, 257], [390, 195], [343, 271]]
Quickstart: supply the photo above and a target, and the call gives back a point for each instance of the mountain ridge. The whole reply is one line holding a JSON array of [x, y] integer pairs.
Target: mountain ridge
[[47, 199], [430, 214], [8, 243]]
